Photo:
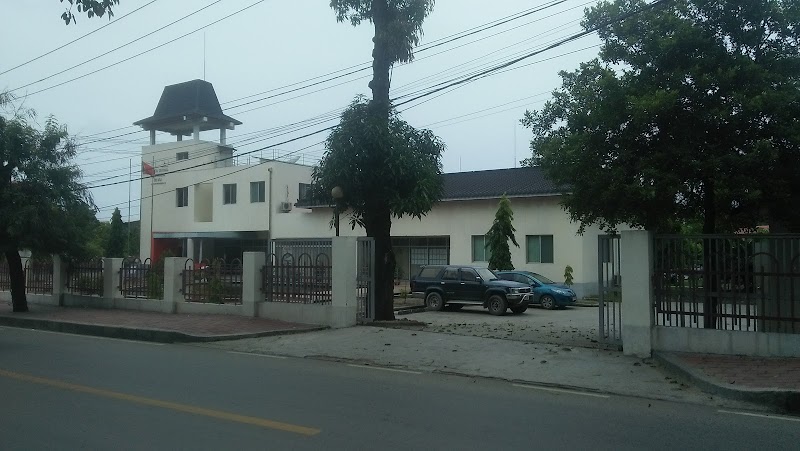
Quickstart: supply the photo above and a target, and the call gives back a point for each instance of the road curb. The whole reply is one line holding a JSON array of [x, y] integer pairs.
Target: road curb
[[787, 401], [128, 333]]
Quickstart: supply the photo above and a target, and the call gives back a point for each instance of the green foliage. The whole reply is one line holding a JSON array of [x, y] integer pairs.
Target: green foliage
[[115, 244], [498, 235], [568, 280], [155, 280], [403, 27], [91, 8], [43, 205], [396, 169], [216, 290], [689, 115], [89, 284]]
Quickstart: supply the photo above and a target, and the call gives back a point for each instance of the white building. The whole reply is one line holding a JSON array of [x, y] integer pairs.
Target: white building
[[205, 206]]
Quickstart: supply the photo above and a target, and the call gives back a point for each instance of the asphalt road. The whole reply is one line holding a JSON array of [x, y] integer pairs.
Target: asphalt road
[[73, 392]]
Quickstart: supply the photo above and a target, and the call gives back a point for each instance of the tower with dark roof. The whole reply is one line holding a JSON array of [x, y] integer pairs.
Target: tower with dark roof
[[186, 109]]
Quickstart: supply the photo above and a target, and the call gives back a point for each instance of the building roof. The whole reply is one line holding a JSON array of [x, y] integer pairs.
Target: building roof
[[184, 104], [491, 184]]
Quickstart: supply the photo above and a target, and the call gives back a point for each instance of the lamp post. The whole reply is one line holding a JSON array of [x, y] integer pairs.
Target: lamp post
[[337, 193]]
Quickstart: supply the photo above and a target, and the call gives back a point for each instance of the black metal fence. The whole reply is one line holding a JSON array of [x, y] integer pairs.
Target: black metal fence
[[298, 271], [39, 276], [141, 279], [365, 279], [85, 277], [728, 282], [214, 281], [5, 277]]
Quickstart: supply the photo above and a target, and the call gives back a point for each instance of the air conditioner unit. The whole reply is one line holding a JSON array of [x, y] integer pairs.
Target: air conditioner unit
[[285, 207]]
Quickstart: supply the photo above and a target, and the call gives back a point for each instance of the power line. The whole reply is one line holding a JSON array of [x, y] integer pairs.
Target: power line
[[421, 48], [72, 42], [146, 51]]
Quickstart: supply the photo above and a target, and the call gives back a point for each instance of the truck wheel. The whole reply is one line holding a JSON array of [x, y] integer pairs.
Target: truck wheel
[[519, 309], [497, 305], [434, 301]]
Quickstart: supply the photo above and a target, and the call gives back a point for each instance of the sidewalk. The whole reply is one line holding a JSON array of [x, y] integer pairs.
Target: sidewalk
[[148, 326], [769, 381]]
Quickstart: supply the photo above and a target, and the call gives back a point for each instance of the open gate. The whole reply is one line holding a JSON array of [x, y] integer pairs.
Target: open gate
[[609, 290]]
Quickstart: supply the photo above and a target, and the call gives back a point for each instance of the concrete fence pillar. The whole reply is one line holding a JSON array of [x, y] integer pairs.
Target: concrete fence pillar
[[59, 279], [173, 275], [251, 281], [636, 266], [344, 274], [111, 288]]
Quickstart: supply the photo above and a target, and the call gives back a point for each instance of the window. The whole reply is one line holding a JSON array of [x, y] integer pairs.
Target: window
[[479, 251], [450, 274], [229, 193], [469, 274], [304, 191], [429, 272], [257, 192], [182, 196], [540, 248], [181, 156]]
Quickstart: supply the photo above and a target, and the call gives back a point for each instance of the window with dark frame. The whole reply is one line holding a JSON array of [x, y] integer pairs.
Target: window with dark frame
[[181, 156], [182, 196], [257, 192], [480, 253], [539, 248], [229, 194], [304, 191]]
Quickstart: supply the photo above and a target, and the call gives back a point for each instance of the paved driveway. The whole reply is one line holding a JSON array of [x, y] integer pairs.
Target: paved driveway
[[573, 326]]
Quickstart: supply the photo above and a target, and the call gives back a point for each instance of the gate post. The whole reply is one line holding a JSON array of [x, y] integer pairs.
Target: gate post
[[173, 276], [111, 269], [344, 275], [636, 267], [59, 279], [251, 281]]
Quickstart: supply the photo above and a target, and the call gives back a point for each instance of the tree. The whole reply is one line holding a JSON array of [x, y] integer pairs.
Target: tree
[[117, 240], [690, 114], [398, 27], [43, 206], [384, 172], [498, 235], [91, 8]]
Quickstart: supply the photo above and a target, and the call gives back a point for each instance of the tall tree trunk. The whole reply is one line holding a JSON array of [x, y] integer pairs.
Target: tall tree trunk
[[19, 301], [710, 276], [378, 219], [379, 226], [381, 60]]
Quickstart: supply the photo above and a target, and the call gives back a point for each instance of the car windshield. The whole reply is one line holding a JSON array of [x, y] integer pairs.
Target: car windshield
[[542, 278], [486, 274]]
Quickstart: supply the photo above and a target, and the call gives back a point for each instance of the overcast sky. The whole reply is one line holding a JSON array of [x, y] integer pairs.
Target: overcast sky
[[268, 47]]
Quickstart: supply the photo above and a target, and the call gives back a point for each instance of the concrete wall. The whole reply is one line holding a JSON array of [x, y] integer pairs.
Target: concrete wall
[[760, 344]]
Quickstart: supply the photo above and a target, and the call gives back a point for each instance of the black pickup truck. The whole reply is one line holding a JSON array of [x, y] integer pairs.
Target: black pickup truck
[[457, 286]]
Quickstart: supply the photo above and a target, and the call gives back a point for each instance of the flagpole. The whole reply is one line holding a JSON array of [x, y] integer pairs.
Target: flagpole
[[152, 199], [130, 175]]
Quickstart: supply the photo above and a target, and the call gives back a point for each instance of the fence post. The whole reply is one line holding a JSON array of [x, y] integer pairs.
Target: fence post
[[59, 279], [636, 268], [111, 267], [344, 275], [251, 281], [173, 276]]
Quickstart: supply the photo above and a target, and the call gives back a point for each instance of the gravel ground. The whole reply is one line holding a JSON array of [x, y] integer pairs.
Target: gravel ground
[[573, 326]]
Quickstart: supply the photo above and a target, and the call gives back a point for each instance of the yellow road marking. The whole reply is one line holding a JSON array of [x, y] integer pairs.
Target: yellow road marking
[[255, 421]]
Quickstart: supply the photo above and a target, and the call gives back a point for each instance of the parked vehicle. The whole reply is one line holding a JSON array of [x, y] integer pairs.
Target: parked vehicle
[[547, 293], [457, 286]]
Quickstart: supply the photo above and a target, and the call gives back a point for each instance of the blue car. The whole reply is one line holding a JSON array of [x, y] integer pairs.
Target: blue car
[[547, 293]]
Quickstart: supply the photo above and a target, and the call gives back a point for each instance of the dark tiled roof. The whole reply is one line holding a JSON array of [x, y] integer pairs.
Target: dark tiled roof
[[193, 99], [490, 184], [494, 183]]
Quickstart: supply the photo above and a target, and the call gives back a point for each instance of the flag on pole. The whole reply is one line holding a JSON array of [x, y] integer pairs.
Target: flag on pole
[[148, 169]]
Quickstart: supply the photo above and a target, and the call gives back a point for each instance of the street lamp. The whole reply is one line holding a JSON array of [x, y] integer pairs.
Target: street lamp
[[337, 193]]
